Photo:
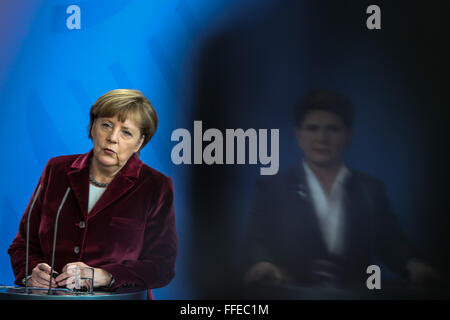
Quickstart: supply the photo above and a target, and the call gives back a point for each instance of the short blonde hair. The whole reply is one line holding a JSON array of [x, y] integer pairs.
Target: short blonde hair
[[125, 103]]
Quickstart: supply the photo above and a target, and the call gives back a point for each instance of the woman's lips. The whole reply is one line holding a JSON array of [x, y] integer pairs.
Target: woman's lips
[[108, 151], [323, 151]]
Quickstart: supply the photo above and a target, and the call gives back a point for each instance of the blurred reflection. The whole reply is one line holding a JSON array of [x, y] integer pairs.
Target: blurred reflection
[[322, 223]]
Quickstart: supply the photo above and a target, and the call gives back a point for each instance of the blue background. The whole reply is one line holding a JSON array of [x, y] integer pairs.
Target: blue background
[[50, 76], [231, 64]]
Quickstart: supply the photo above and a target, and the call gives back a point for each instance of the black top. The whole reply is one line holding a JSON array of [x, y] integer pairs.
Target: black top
[[284, 230]]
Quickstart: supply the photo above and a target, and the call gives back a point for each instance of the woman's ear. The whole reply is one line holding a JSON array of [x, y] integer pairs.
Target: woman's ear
[[91, 128]]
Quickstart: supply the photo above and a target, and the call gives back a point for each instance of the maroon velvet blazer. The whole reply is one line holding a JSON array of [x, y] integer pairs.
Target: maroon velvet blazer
[[130, 232]]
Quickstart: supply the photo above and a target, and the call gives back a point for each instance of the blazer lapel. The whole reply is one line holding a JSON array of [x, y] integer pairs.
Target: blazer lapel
[[305, 207], [301, 185], [355, 231], [120, 185], [79, 181]]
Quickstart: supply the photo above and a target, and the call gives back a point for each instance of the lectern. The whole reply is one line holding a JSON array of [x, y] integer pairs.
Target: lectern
[[18, 293]]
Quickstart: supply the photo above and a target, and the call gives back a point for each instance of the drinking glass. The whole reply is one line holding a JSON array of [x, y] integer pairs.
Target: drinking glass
[[82, 279]]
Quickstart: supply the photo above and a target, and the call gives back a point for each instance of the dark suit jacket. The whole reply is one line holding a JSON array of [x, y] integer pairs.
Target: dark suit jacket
[[284, 229], [130, 232]]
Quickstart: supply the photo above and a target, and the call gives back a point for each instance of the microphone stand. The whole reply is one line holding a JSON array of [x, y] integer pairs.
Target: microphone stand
[[54, 240], [27, 245]]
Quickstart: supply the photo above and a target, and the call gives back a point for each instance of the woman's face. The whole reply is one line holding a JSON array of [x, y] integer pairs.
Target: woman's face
[[115, 141], [323, 138]]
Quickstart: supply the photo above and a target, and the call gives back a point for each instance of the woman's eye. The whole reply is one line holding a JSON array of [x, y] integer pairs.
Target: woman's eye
[[312, 127], [127, 133], [334, 128], [106, 125]]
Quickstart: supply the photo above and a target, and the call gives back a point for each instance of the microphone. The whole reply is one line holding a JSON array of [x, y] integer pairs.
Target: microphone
[[54, 239], [27, 245]]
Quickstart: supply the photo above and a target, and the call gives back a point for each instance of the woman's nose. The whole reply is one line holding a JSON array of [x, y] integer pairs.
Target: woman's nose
[[113, 137], [322, 136]]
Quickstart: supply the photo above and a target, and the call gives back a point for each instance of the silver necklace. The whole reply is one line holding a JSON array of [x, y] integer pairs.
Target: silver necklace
[[98, 184]]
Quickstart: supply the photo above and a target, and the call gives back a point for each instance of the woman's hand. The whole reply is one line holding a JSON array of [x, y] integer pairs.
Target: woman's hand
[[266, 272], [66, 278], [40, 276], [422, 274]]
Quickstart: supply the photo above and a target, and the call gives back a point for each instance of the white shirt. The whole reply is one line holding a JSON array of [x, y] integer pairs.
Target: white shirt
[[330, 210], [94, 194]]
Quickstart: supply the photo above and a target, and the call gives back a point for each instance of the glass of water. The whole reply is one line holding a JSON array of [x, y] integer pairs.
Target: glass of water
[[82, 279]]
